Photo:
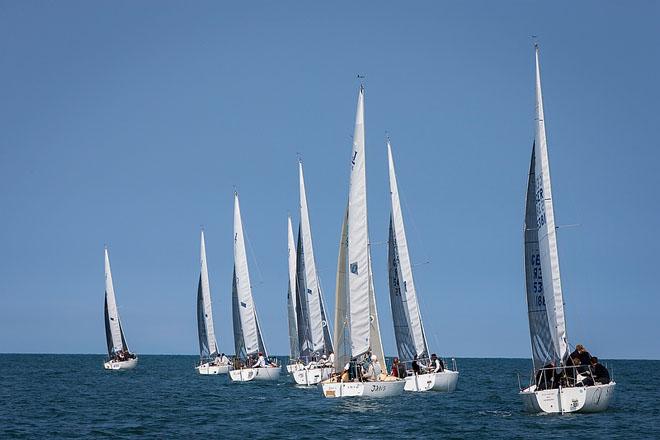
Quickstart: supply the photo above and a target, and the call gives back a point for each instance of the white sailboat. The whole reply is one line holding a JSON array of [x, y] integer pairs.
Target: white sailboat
[[210, 360], [409, 332], [314, 340], [119, 356], [357, 333], [248, 340], [547, 323]]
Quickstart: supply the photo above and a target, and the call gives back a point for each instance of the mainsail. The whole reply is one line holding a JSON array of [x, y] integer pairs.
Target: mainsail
[[208, 347], [114, 334], [247, 335], [541, 257], [313, 328], [356, 304], [291, 295], [408, 328]]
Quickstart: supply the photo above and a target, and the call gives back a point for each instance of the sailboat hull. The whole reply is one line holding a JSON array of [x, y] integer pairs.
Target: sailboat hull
[[294, 367], [121, 365], [376, 389], [210, 369], [312, 376], [443, 382], [590, 399], [250, 374]]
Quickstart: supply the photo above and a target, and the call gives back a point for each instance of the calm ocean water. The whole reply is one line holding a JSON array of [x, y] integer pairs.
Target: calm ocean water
[[71, 396]]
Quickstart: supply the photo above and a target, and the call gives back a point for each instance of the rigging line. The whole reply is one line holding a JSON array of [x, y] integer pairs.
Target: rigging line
[[410, 216], [254, 257]]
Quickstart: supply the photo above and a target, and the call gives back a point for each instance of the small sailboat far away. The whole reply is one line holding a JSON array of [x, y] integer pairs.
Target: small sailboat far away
[[210, 360], [409, 332], [119, 356], [251, 353], [557, 386], [357, 333], [314, 340]]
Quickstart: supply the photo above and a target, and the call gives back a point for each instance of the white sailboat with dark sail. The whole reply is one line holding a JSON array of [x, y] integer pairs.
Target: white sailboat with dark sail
[[119, 356], [314, 341], [357, 332], [556, 386], [250, 348], [409, 332], [210, 360]]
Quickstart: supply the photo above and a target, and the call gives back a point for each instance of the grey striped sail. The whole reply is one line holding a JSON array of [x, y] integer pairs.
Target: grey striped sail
[[357, 331], [408, 328], [208, 347], [114, 334], [543, 282], [247, 334], [291, 302], [313, 332]]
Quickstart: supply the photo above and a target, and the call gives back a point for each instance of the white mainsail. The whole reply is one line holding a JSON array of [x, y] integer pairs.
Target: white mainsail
[[545, 264], [408, 328], [342, 318], [309, 286], [208, 347], [291, 295], [113, 332], [247, 335], [356, 304]]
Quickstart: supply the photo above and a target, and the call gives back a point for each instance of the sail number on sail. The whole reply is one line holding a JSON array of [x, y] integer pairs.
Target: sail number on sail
[[538, 279], [540, 203]]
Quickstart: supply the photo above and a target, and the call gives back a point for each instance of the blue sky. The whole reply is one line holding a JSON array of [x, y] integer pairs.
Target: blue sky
[[129, 123]]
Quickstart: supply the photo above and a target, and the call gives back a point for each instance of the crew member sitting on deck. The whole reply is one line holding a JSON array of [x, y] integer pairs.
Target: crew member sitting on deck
[[583, 357], [437, 366], [599, 372], [545, 377], [261, 362], [415, 366], [374, 369]]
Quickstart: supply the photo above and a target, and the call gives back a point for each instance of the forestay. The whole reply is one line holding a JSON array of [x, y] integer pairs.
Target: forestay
[[408, 328], [208, 347], [247, 335], [548, 259], [114, 334]]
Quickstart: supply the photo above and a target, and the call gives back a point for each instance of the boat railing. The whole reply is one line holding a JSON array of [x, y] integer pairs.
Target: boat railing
[[565, 376], [425, 364]]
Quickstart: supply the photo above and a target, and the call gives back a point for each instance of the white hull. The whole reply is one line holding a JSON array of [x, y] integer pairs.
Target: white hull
[[312, 376], [120, 365], [210, 369], [250, 374], [444, 382], [594, 398], [379, 388]]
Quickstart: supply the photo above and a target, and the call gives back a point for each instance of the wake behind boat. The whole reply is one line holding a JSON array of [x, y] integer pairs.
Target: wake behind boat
[[357, 332], [210, 361], [251, 355], [119, 356], [561, 383], [314, 359], [426, 373]]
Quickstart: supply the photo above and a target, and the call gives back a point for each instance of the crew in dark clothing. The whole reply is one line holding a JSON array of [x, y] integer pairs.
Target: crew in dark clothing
[[599, 372], [415, 366], [571, 372], [583, 356], [546, 377]]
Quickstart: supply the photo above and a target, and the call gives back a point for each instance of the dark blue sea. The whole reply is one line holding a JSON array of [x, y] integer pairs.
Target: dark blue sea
[[71, 396]]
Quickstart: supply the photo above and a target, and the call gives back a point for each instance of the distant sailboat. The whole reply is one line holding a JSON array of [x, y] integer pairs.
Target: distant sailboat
[[210, 360], [248, 340], [314, 341], [556, 387], [357, 333], [408, 328], [119, 356]]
